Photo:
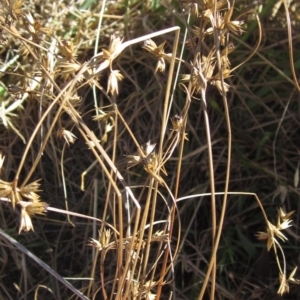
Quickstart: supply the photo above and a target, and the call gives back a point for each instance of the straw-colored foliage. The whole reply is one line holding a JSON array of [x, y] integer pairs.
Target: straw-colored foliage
[[115, 126]]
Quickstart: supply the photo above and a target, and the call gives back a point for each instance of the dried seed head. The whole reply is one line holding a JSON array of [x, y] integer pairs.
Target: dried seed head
[[94, 243], [114, 49], [67, 69], [29, 209], [202, 71], [150, 46], [266, 236], [275, 231], [218, 84], [209, 6], [160, 66], [7, 190], [284, 285], [143, 154], [216, 81], [104, 237], [30, 190], [104, 240], [281, 225], [147, 148], [106, 57], [177, 122], [159, 53], [291, 277], [108, 127], [114, 77], [67, 135], [151, 167], [35, 208], [115, 45], [177, 125], [234, 26], [283, 215], [25, 222]]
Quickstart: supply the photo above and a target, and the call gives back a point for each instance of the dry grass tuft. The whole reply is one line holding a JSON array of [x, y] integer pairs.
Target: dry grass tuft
[[112, 141]]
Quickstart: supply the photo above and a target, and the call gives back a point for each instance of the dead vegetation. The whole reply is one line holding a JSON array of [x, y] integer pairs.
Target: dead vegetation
[[116, 130]]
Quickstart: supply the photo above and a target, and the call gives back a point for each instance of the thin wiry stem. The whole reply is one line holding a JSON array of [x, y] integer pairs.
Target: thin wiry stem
[[213, 197], [42, 264]]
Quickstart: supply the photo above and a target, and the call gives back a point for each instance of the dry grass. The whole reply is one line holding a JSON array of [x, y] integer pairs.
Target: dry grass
[[111, 156]]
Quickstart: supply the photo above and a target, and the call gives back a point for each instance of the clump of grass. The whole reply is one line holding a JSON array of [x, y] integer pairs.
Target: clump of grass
[[70, 108]]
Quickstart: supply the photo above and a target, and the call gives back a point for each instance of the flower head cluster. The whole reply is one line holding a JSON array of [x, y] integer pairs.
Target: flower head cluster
[[273, 231], [159, 53], [26, 197]]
